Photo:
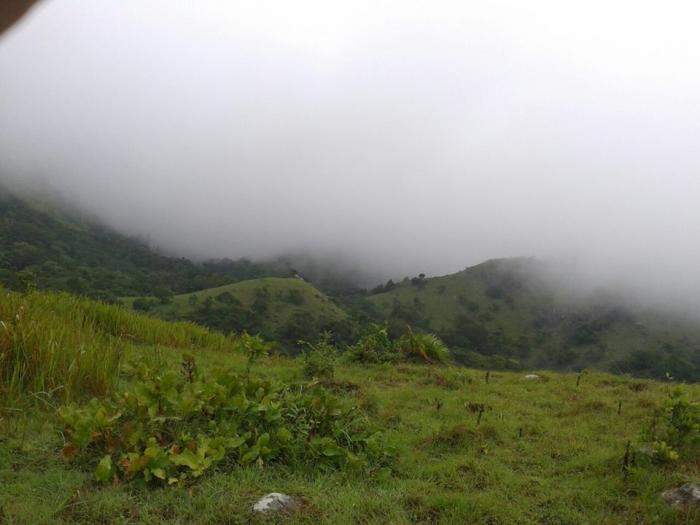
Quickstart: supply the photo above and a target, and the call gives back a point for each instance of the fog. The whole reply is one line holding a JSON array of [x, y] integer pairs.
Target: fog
[[401, 136]]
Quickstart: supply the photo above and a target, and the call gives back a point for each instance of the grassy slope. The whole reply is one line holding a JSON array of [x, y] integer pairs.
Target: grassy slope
[[62, 346], [564, 469], [444, 299], [279, 311]]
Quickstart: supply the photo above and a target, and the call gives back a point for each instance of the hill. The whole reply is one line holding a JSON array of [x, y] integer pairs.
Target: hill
[[511, 313], [281, 309], [54, 246], [50, 247], [432, 444]]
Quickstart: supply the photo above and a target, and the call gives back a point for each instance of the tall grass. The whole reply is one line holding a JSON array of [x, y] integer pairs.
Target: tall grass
[[57, 346]]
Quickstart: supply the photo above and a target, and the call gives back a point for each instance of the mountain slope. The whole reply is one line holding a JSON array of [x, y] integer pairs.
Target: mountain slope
[[505, 312], [54, 249]]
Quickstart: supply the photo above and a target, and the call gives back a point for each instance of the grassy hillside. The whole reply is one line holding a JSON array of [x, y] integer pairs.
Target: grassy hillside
[[284, 309], [457, 447], [506, 312], [61, 346]]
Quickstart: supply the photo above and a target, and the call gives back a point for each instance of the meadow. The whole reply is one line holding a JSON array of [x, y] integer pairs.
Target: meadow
[[458, 445]]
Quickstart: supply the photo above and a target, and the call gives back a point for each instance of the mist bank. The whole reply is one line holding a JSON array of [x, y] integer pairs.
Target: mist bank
[[395, 139]]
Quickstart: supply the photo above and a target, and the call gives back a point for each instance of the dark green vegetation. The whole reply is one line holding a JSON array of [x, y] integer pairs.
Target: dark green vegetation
[[507, 314], [171, 426], [282, 309], [195, 427], [57, 250]]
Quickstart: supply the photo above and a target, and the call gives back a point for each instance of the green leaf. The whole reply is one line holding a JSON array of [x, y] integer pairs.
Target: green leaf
[[251, 455], [284, 436], [187, 458], [105, 469], [236, 442]]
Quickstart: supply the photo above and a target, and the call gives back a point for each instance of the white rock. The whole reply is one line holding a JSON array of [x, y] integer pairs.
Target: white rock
[[532, 376], [274, 501], [684, 496]]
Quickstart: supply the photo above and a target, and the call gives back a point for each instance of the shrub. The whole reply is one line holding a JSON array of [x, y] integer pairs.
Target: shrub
[[375, 346], [294, 297], [319, 358], [677, 427], [143, 304], [253, 347]]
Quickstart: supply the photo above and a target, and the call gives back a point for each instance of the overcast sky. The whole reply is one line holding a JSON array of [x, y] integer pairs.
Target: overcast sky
[[413, 136]]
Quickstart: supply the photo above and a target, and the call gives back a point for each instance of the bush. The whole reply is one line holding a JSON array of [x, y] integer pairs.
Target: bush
[[375, 346], [143, 304], [294, 297], [253, 347], [170, 427], [676, 427], [319, 358]]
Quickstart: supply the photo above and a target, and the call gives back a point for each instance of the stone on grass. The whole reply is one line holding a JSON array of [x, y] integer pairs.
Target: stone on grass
[[681, 497], [274, 501], [532, 376]]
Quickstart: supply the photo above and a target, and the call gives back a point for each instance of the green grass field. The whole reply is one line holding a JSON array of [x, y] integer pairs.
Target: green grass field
[[544, 451]]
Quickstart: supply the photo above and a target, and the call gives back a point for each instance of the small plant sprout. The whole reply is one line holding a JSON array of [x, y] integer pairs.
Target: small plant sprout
[[481, 413], [438, 404], [628, 460], [189, 367]]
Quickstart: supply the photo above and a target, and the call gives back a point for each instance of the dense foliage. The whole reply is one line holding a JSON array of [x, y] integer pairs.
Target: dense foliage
[[171, 426], [377, 346]]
